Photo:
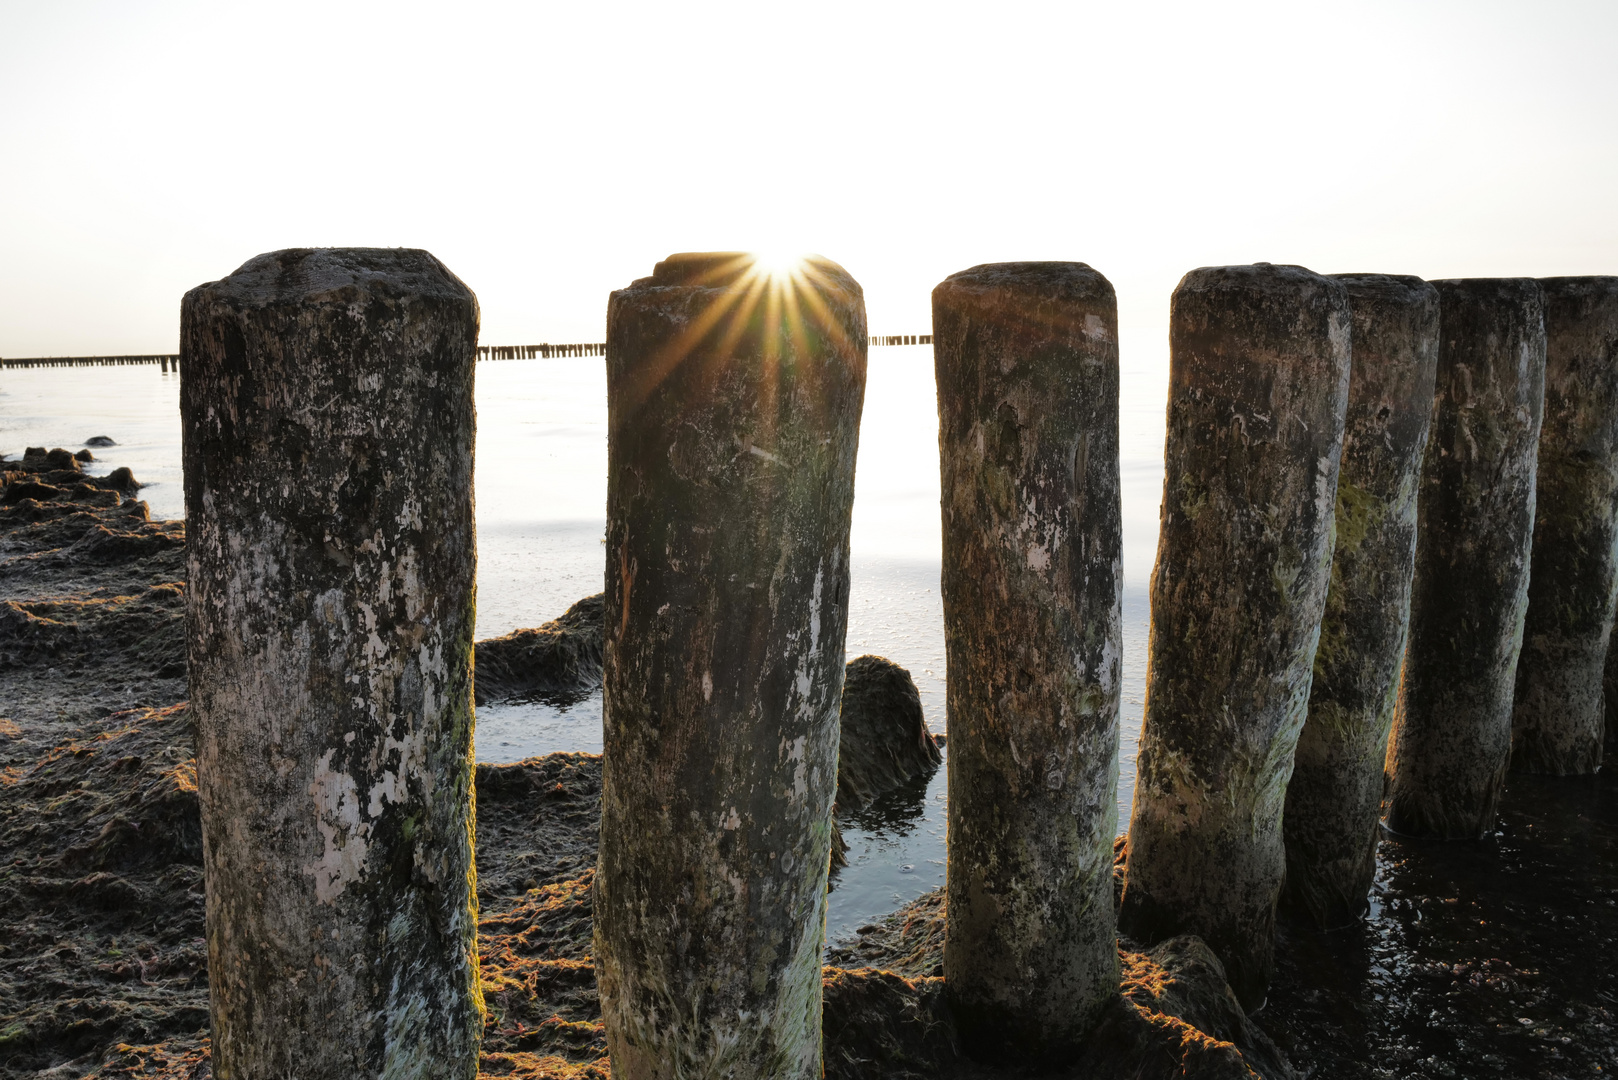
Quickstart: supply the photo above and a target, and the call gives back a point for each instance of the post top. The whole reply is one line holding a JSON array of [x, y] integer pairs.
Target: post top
[[1592, 286], [712, 268], [723, 269], [303, 274], [1050, 280], [1260, 277], [1521, 290], [1388, 288]]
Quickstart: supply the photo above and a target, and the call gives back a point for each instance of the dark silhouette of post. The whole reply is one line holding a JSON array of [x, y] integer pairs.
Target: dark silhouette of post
[[1334, 801], [1026, 356], [326, 407], [1452, 731], [1258, 385], [1558, 722], [733, 410]]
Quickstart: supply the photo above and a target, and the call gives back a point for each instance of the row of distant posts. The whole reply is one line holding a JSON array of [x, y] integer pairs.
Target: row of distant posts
[[1353, 467], [171, 362]]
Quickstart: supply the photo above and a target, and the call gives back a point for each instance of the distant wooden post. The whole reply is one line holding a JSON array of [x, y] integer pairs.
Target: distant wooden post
[[733, 410], [326, 408], [1334, 801], [1027, 367], [1452, 731], [1558, 723], [1258, 384]]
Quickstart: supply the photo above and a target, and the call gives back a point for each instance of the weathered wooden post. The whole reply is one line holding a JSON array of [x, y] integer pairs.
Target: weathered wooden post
[[733, 410], [1026, 356], [326, 404], [1452, 728], [1558, 722], [1258, 384], [1610, 687], [1334, 802]]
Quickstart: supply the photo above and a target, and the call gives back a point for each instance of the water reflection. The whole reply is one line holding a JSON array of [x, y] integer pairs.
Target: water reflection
[[895, 854], [524, 728], [1484, 958]]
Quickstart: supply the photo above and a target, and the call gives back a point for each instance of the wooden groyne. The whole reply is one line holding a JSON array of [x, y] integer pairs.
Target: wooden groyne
[[539, 352], [1325, 573], [167, 360], [171, 362]]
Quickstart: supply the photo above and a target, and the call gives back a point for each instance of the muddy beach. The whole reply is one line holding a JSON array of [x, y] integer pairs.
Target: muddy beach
[[1495, 957]]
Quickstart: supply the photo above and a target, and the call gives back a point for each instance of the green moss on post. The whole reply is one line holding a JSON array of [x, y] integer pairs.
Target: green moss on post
[[1258, 384], [1558, 720], [326, 409], [1027, 364], [733, 401], [1334, 800], [1452, 730]]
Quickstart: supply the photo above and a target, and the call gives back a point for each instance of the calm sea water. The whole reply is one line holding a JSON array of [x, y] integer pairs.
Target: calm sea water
[[541, 498]]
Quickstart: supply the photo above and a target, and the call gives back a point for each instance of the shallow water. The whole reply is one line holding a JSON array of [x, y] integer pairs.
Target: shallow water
[[1496, 957], [541, 497], [895, 854]]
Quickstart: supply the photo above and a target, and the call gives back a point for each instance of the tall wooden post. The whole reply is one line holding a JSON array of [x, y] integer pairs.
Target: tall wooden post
[[1558, 721], [1452, 730], [326, 406], [1027, 365], [733, 400], [1334, 801], [1258, 385]]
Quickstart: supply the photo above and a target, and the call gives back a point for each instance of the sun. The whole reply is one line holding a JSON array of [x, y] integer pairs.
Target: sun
[[777, 266], [774, 300]]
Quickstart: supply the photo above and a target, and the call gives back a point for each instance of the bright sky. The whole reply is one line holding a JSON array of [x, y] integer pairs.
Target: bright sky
[[551, 152]]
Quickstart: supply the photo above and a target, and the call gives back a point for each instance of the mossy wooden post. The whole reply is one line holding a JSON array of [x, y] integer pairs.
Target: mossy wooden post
[[326, 409], [1558, 722], [1026, 356], [1258, 384], [1452, 729], [1334, 801], [733, 410]]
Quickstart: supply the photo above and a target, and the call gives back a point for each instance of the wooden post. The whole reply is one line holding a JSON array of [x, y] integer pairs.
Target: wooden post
[[1452, 731], [1027, 368], [326, 406], [1334, 801], [733, 408], [1558, 721], [1258, 384]]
